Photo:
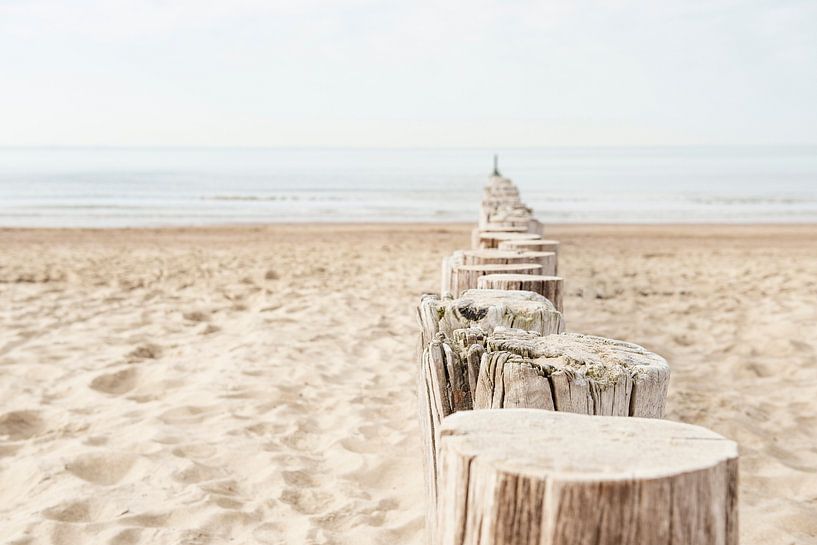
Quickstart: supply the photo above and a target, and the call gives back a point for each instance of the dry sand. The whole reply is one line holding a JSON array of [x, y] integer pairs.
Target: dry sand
[[256, 385]]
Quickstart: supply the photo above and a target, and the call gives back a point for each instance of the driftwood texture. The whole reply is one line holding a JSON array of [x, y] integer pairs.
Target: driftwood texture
[[465, 277], [490, 239], [535, 245], [551, 287], [451, 346], [485, 256], [492, 227], [547, 260], [528, 477], [571, 373], [487, 309]]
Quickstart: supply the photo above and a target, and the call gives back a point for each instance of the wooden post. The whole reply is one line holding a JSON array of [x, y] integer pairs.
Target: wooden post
[[551, 287], [464, 277], [494, 228], [492, 240], [536, 227], [486, 256], [451, 346], [487, 309], [525, 477], [534, 245], [501, 227], [571, 373]]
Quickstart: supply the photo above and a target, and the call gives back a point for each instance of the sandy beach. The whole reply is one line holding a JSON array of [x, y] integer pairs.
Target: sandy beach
[[256, 384]]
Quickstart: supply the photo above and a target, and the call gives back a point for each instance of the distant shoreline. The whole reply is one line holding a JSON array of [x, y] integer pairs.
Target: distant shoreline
[[618, 228]]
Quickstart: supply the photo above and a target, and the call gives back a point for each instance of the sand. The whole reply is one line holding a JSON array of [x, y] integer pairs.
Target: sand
[[256, 384]]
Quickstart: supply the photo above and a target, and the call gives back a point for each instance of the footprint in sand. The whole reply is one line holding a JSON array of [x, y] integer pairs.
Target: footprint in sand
[[225, 487], [18, 425], [129, 536], [117, 383], [304, 438], [147, 351], [79, 511], [196, 473], [307, 502], [299, 479], [196, 316], [194, 450], [82, 511], [187, 414], [269, 533], [104, 469]]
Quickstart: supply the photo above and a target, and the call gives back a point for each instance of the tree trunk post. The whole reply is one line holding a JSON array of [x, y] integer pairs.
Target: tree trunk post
[[491, 239], [465, 277], [551, 287], [530, 477]]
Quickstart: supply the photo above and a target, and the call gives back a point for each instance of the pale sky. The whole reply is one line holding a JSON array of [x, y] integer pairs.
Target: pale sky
[[407, 73]]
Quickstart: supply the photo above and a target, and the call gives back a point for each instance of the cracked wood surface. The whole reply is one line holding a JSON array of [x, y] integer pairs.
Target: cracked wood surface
[[551, 287], [529, 477], [572, 373], [465, 277], [492, 256], [493, 239], [451, 345]]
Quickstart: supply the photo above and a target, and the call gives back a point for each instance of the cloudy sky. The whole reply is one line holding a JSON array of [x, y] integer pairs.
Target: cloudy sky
[[411, 73]]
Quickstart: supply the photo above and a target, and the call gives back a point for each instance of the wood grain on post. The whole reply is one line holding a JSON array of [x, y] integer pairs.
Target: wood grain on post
[[464, 277], [486, 256], [535, 245], [571, 373], [551, 287], [494, 228], [529, 477], [451, 345], [487, 309], [501, 227], [536, 227], [492, 239]]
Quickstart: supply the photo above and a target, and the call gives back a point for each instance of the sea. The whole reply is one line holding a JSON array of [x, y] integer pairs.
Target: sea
[[136, 187]]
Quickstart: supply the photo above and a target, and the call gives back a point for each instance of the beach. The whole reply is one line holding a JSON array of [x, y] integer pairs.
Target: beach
[[256, 384]]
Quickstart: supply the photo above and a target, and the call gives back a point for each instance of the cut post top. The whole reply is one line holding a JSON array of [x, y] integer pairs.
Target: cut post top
[[510, 277], [582, 447], [601, 360]]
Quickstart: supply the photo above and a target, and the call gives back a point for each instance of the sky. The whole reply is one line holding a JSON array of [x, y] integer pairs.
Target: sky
[[413, 73]]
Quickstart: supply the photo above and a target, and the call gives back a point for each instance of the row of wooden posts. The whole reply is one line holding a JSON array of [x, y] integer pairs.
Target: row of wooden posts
[[535, 435]]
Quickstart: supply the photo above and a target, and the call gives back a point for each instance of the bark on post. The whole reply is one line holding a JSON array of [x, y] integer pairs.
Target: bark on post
[[492, 239], [551, 287], [464, 277], [571, 373], [529, 477]]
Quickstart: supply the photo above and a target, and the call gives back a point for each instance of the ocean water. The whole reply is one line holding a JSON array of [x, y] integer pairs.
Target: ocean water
[[108, 187]]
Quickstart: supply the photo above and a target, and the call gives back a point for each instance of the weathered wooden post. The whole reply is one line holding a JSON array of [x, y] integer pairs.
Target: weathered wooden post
[[571, 373], [487, 309], [452, 342], [486, 256], [492, 240], [490, 257], [534, 245], [476, 232], [464, 277], [529, 477], [551, 287]]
